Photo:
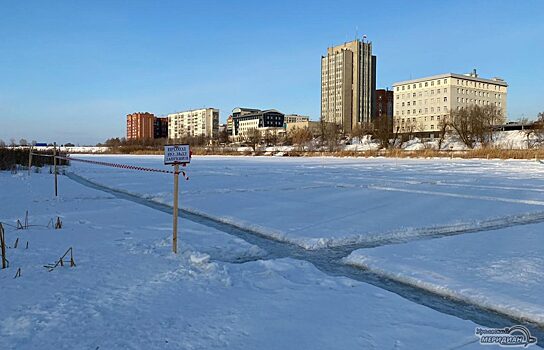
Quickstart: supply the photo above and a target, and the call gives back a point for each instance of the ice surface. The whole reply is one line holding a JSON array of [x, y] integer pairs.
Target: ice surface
[[502, 270], [128, 291], [320, 202]]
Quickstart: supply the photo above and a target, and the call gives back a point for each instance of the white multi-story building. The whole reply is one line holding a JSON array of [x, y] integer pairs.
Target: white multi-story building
[[197, 122], [421, 104], [295, 118]]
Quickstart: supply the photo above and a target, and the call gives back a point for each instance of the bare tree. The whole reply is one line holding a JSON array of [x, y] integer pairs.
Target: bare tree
[[383, 131], [331, 134], [443, 127], [23, 142], [253, 137], [223, 136], [475, 123], [2, 143], [300, 137]]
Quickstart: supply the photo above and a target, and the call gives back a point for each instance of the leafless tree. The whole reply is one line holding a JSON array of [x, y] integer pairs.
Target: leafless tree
[[475, 123], [383, 131], [2, 144], [253, 137], [443, 127], [331, 134], [300, 137]]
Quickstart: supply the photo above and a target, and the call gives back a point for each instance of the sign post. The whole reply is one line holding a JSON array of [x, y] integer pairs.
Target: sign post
[[176, 155]]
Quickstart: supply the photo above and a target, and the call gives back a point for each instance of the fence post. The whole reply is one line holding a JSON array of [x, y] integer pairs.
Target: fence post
[[175, 222], [3, 246], [55, 166], [29, 160]]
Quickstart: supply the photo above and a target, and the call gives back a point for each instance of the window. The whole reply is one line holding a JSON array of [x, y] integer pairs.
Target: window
[[426, 84], [414, 86], [414, 94], [445, 99]]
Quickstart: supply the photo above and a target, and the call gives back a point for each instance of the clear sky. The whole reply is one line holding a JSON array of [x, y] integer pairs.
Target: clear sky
[[70, 71]]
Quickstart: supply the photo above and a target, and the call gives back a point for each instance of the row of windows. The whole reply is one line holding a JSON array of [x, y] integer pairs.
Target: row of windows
[[422, 84], [478, 84], [420, 111], [413, 103], [422, 93], [477, 93]]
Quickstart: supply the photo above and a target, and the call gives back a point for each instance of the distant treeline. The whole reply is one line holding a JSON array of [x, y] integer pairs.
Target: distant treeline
[[12, 157]]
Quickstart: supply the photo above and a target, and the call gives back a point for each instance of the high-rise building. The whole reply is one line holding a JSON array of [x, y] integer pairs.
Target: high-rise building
[[197, 122], [140, 126], [421, 104], [348, 84]]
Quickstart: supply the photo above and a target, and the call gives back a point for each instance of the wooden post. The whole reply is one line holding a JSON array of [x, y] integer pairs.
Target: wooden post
[[55, 166], [175, 222], [3, 246], [29, 160]]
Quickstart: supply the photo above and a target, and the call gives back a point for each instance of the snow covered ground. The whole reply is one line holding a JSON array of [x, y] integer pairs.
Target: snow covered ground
[[323, 202], [128, 291], [502, 270]]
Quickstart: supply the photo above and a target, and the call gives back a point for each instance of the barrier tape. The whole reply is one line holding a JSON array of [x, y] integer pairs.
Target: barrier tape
[[116, 165]]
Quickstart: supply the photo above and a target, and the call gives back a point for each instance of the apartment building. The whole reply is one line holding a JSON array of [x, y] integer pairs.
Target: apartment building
[[194, 123], [421, 104], [140, 126], [348, 84]]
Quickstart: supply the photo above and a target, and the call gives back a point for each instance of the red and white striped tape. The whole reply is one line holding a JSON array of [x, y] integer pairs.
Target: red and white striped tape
[[116, 165]]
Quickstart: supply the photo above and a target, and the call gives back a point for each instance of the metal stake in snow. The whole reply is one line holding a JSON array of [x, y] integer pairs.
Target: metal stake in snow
[[176, 155], [55, 166]]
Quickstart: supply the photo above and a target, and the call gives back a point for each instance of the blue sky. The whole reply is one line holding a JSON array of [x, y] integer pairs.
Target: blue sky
[[70, 71]]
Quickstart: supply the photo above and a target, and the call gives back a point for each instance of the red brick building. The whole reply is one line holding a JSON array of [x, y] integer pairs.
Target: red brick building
[[140, 126], [384, 103]]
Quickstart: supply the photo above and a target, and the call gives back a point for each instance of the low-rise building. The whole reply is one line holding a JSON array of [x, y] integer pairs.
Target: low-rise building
[[295, 118], [420, 105], [194, 123], [140, 126], [245, 120], [313, 126]]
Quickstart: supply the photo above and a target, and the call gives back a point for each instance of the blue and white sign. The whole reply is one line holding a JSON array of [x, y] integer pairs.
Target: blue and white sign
[[177, 154]]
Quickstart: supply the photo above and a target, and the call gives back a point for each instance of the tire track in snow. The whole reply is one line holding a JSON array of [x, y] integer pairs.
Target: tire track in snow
[[330, 262]]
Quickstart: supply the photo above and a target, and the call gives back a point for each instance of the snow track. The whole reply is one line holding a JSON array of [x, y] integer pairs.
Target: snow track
[[330, 260]]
